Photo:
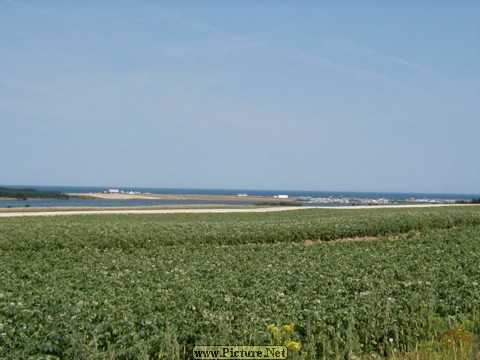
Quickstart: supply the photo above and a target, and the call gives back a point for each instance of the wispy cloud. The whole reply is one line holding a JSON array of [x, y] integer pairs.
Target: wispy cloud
[[205, 38], [315, 60], [211, 40], [32, 9], [369, 53], [218, 40]]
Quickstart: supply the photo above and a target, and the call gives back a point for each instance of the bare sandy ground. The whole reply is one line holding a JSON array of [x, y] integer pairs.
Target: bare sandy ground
[[116, 196], [147, 211], [210, 197], [209, 210]]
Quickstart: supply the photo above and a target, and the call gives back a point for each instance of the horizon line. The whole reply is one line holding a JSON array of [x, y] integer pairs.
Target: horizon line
[[246, 189]]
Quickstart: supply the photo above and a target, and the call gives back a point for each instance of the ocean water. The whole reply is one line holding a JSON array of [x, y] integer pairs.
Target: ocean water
[[291, 193], [180, 191]]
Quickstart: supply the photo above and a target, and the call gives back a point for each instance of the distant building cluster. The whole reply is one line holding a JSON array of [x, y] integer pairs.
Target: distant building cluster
[[117, 191], [367, 201], [327, 200], [281, 196]]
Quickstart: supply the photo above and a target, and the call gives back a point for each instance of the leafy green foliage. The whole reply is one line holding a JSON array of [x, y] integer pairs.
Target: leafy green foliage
[[154, 286], [147, 231]]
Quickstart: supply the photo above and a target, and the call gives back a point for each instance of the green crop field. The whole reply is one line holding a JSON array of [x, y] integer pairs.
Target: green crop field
[[154, 286]]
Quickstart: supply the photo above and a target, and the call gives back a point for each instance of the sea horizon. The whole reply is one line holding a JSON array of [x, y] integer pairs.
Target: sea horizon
[[392, 195]]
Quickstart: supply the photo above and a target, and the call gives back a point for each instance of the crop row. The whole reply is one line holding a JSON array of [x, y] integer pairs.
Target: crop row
[[138, 231]]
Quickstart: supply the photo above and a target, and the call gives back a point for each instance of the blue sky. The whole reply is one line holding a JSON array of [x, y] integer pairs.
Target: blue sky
[[307, 95]]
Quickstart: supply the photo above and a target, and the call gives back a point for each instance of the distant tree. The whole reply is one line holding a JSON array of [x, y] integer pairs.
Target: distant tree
[[29, 193]]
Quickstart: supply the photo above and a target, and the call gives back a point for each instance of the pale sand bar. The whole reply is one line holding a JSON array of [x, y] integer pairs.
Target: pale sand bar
[[106, 196]]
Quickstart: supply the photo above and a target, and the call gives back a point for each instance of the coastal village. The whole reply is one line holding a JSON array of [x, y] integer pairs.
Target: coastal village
[[380, 201], [308, 200]]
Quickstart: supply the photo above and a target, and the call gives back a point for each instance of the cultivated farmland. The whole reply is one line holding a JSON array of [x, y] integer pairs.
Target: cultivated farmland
[[154, 286]]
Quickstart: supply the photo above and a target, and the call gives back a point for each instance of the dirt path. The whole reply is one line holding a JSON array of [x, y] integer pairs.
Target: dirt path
[[145, 211], [37, 212]]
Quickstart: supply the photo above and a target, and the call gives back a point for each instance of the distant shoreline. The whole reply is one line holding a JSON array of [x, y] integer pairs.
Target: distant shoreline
[[203, 197], [242, 197], [154, 198]]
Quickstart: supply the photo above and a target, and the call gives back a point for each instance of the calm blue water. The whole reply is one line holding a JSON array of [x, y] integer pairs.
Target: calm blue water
[[110, 203], [290, 193]]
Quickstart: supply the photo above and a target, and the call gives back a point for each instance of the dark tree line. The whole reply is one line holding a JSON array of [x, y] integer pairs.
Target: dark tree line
[[473, 201], [29, 193]]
